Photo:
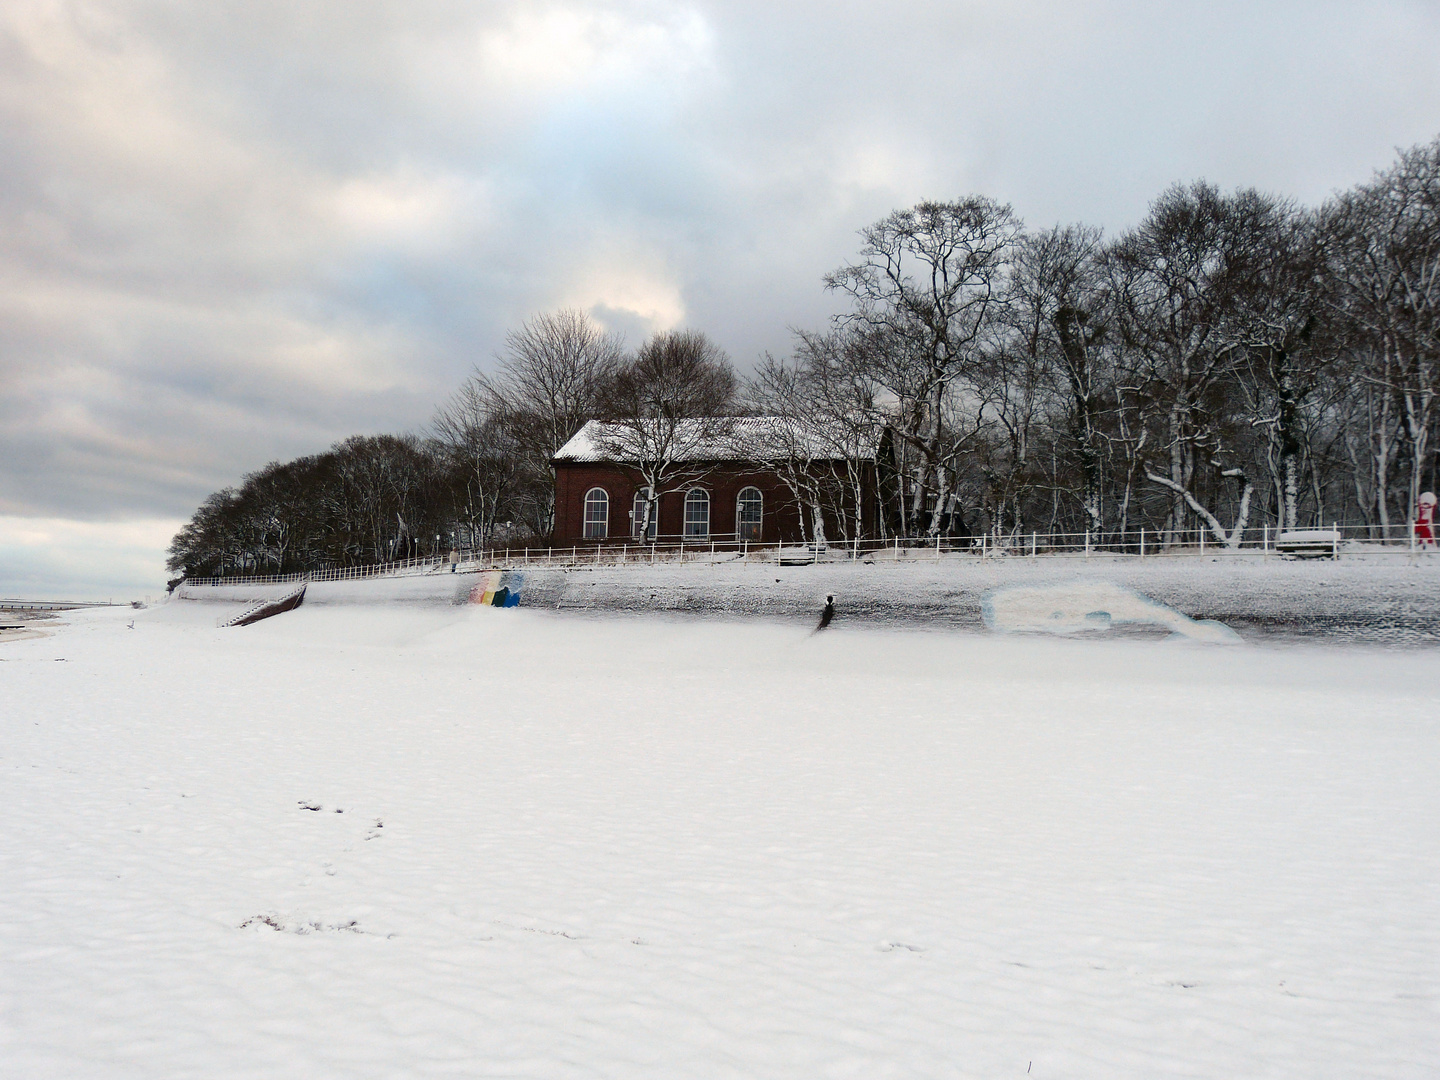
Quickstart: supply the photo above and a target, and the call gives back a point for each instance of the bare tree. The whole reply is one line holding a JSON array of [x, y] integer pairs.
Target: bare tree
[[1386, 255], [929, 282], [663, 408], [475, 433], [209, 542], [1372, 426], [780, 392], [383, 496], [1058, 314], [1014, 389], [1179, 279], [368, 499], [824, 424], [543, 393], [1279, 311]]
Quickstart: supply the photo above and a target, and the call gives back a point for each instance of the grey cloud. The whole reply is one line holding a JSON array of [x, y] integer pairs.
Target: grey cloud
[[236, 231]]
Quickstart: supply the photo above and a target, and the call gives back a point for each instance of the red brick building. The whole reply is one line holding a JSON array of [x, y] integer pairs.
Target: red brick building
[[716, 492]]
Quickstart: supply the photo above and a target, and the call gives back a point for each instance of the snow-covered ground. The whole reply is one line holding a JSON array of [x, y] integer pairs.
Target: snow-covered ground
[[1375, 599], [1384, 599], [365, 841]]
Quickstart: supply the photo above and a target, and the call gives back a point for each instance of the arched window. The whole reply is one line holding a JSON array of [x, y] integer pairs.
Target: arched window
[[597, 514], [749, 511], [637, 515], [697, 514]]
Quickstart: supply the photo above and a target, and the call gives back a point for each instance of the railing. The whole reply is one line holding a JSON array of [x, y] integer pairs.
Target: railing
[[53, 605], [402, 568], [1261, 542], [1135, 543]]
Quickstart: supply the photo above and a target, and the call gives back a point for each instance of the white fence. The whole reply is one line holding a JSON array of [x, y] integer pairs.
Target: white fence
[[1337, 541], [53, 605]]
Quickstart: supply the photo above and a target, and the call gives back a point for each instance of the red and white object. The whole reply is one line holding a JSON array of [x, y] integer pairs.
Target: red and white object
[[1425, 519]]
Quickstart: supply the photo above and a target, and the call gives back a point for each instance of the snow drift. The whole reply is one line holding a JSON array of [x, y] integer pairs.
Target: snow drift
[[1083, 606]]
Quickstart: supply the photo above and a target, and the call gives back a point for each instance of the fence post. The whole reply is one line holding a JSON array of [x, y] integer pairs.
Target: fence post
[[1032, 543], [1335, 552], [1265, 538], [1202, 539], [937, 547], [1087, 542], [1142, 541]]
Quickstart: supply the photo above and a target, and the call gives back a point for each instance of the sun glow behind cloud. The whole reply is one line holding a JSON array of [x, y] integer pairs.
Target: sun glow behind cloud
[[547, 49]]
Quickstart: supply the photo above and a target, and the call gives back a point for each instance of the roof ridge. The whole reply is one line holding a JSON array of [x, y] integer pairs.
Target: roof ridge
[[585, 444]]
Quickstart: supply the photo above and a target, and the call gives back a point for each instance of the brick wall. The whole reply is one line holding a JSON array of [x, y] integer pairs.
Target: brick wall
[[780, 516]]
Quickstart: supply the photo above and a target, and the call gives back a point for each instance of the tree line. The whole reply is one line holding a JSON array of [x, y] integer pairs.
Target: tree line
[[1233, 359]]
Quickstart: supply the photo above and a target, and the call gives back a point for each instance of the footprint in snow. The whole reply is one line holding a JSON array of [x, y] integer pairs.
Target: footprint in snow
[[298, 926]]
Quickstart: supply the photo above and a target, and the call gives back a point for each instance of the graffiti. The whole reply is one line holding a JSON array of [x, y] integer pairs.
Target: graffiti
[[497, 588]]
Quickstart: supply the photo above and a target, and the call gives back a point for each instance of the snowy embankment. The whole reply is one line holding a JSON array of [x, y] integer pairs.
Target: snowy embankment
[[359, 841], [1377, 598], [1390, 599]]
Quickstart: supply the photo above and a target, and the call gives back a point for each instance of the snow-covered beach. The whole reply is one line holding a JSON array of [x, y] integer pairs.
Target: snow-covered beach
[[366, 841]]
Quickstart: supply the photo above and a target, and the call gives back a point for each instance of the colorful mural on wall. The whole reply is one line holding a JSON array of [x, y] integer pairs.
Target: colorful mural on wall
[[498, 588]]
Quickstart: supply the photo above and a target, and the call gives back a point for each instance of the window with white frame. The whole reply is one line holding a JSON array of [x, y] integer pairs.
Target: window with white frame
[[749, 511], [637, 515], [697, 514], [597, 514]]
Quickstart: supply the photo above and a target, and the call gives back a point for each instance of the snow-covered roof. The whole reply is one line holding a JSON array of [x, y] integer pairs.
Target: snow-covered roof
[[727, 438]]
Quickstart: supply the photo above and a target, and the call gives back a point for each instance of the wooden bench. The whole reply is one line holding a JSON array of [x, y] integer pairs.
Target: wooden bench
[[800, 555], [1309, 543]]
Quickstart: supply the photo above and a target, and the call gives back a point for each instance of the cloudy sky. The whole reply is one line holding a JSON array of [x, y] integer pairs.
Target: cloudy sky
[[232, 232]]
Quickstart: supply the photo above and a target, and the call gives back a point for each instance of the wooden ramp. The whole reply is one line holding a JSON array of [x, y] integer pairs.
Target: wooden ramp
[[266, 608]]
